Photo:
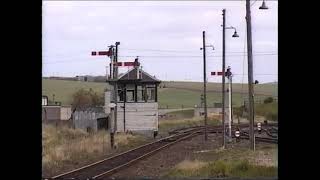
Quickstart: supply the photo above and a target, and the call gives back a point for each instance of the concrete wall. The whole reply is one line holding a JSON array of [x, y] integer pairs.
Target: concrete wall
[[138, 117], [107, 99], [141, 116], [87, 119], [56, 113], [65, 113], [51, 113]]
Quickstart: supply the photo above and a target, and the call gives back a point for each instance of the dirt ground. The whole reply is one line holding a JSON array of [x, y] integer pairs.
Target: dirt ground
[[162, 162]]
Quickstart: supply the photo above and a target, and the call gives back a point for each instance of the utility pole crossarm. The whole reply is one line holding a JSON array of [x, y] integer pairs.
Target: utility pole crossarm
[[231, 27]]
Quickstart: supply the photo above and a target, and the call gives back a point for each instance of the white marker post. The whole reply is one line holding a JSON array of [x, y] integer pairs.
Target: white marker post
[[230, 110], [229, 76], [259, 127], [237, 134], [112, 124]]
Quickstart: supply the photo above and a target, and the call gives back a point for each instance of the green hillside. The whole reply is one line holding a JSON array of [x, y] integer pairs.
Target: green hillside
[[174, 95]]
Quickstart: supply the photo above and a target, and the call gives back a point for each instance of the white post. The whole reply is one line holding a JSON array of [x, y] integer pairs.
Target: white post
[[111, 67], [107, 70], [230, 111]]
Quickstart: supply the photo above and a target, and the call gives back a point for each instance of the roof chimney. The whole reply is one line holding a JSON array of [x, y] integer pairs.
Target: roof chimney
[[136, 66]]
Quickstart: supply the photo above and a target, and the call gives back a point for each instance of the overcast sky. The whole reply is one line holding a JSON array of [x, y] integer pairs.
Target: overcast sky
[[166, 35]]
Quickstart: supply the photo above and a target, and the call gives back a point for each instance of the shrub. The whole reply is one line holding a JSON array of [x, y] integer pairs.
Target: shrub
[[242, 165], [272, 116], [84, 98], [268, 100], [220, 169]]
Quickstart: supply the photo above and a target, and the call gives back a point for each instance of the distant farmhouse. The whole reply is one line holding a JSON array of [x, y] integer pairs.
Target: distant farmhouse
[[85, 78], [88, 78], [61, 78]]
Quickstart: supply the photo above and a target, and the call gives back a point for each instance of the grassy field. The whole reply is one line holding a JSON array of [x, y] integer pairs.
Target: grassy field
[[168, 125], [239, 162], [174, 96], [181, 114], [260, 89]]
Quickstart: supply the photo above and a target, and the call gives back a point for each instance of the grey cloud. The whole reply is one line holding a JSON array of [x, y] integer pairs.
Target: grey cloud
[[73, 29]]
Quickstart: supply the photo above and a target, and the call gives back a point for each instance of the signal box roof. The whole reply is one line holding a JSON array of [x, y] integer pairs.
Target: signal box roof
[[131, 77]]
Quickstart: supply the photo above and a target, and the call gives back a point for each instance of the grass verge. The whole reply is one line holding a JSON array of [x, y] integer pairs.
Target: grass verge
[[233, 162], [222, 168], [65, 148], [169, 125]]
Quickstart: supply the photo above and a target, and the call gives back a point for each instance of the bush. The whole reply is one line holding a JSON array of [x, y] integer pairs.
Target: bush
[[242, 165], [84, 98], [268, 100], [239, 111], [269, 110], [220, 169], [272, 116]]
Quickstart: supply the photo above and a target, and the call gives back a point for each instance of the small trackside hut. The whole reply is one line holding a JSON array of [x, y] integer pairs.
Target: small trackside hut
[[137, 101]]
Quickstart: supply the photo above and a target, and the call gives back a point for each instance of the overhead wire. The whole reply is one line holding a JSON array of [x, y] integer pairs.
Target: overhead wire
[[157, 56], [146, 56]]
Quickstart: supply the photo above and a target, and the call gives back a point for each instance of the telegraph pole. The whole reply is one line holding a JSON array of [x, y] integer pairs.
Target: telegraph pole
[[204, 86], [113, 109], [250, 75], [223, 75], [116, 85]]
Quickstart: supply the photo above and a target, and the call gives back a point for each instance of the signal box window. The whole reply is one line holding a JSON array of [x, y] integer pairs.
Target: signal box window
[[140, 94], [130, 95], [120, 96], [151, 94]]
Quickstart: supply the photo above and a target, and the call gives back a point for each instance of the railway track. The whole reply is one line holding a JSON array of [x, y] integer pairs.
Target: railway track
[[106, 167], [245, 135], [269, 125], [270, 133]]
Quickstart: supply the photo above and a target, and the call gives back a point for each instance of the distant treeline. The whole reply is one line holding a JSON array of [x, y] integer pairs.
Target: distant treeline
[[80, 78]]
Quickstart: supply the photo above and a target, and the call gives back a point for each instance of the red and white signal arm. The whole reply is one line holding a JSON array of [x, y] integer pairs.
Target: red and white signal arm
[[101, 53], [217, 73], [125, 63]]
